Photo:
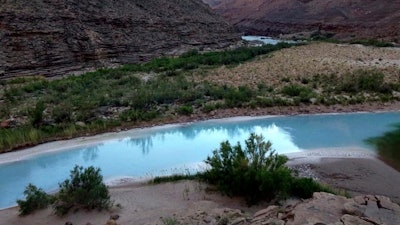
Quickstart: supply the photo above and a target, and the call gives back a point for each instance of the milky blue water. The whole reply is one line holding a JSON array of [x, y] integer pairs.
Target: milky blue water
[[166, 150], [264, 39]]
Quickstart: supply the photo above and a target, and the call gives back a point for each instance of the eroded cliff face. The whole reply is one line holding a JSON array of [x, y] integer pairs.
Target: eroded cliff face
[[58, 37], [344, 18]]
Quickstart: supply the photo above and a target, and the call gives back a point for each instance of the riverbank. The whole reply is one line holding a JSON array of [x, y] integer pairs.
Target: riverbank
[[140, 203], [313, 78], [177, 121]]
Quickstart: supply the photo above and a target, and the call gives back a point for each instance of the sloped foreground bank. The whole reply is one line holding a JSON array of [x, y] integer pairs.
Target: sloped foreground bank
[[191, 202]]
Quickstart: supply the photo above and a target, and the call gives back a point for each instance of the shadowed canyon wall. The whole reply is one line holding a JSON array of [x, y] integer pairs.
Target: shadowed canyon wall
[[346, 19], [58, 37]]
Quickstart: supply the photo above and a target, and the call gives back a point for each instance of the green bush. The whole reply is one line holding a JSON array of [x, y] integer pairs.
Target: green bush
[[185, 110], [255, 172], [85, 189], [35, 198], [36, 114], [364, 80]]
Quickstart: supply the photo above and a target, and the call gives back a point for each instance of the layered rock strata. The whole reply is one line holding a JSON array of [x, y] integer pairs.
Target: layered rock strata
[[58, 37], [350, 19]]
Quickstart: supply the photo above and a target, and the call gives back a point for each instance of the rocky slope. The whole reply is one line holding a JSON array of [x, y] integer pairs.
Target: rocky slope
[[58, 37], [322, 209], [345, 18]]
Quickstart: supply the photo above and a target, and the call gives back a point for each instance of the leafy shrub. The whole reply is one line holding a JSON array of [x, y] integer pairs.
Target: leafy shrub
[[62, 113], [85, 189], [35, 198], [294, 90], [363, 80], [255, 172], [236, 97], [185, 110], [137, 115], [36, 114]]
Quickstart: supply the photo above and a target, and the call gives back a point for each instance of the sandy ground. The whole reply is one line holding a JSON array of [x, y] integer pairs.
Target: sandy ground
[[307, 61], [354, 170]]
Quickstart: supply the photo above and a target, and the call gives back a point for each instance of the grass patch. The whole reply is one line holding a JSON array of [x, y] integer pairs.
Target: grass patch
[[174, 178]]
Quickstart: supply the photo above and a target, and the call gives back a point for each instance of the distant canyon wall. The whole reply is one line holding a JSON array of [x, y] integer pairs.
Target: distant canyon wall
[[59, 37], [346, 19]]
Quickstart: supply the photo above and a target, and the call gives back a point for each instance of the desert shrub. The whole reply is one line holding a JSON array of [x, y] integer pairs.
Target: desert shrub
[[363, 80], [36, 114], [255, 172], [85, 189], [294, 90], [170, 221], [138, 115], [35, 198], [62, 113], [305, 187], [185, 110], [237, 96]]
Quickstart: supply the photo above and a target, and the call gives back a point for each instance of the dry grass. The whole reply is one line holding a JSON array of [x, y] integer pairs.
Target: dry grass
[[306, 61]]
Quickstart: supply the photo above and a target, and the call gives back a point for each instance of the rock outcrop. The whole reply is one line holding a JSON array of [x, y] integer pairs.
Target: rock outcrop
[[326, 208], [362, 19], [322, 209], [58, 37]]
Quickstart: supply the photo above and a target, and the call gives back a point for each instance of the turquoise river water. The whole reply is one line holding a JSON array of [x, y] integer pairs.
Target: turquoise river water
[[163, 150]]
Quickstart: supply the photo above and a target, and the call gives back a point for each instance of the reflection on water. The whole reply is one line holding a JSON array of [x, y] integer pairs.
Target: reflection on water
[[166, 150], [388, 146], [144, 143], [91, 153]]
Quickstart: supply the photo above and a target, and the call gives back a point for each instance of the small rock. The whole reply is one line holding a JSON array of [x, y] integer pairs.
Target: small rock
[[80, 124], [360, 200], [386, 203], [223, 221], [111, 222], [237, 221], [5, 124], [68, 223], [354, 209], [114, 217], [270, 211], [353, 220]]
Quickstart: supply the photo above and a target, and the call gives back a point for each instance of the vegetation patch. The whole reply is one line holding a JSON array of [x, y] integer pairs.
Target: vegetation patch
[[256, 172], [85, 189], [35, 110], [35, 198]]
